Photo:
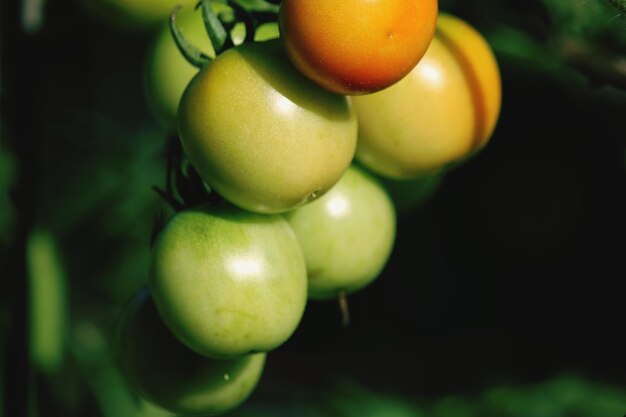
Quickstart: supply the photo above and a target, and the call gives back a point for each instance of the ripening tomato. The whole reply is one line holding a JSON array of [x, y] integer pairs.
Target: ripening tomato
[[356, 46], [168, 73], [260, 134], [347, 235], [228, 282], [167, 373], [442, 112]]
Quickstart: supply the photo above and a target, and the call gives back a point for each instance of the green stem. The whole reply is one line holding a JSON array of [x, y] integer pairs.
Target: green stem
[[192, 54], [620, 5], [255, 6], [216, 31]]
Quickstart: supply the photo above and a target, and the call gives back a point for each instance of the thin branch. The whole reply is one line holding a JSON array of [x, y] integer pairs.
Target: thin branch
[[342, 298], [192, 54], [620, 5], [599, 64]]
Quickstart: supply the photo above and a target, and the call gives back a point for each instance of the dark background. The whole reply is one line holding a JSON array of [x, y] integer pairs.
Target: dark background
[[511, 273]]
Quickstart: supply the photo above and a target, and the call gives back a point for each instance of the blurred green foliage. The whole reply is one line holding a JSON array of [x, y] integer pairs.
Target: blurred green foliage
[[48, 302], [104, 152], [7, 175], [565, 395]]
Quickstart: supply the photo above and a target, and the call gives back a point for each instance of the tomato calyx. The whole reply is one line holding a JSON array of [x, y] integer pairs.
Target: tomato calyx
[[219, 27], [183, 186]]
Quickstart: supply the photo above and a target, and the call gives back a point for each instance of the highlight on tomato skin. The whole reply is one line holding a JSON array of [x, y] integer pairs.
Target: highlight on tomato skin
[[263, 136], [347, 235], [355, 47], [228, 282], [443, 112]]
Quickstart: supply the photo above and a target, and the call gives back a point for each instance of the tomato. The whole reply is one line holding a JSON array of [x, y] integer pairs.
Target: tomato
[[133, 15], [408, 195], [263, 136], [442, 112], [228, 282], [356, 46], [165, 372], [168, 73], [347, 235]]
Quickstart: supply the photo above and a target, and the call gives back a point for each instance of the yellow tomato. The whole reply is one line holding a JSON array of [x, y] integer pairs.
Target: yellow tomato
[[443, 111], [260, 134]]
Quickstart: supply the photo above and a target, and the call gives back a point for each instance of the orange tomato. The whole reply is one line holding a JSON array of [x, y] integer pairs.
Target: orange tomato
[[357, 46], [442, 112]]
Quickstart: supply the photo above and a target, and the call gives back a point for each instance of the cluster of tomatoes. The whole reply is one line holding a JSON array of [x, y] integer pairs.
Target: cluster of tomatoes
[[291, 123]]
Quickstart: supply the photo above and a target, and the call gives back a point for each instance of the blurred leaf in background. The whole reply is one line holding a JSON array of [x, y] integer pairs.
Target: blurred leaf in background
[[7, 175], [563, 395], [103, 153], [48, 302]]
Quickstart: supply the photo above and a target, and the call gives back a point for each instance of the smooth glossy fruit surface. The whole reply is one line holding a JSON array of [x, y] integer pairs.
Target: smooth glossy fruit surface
[[347, 235], [262, 135], [356, 46], [228, 282], [165, 372], [443, 111]]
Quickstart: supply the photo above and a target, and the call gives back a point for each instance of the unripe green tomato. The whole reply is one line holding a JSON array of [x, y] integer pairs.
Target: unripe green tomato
[[168, 72], [165, 372], [262, 135], [133, 15], [228, 282], [347, 235], [442, 112], [410, 194]]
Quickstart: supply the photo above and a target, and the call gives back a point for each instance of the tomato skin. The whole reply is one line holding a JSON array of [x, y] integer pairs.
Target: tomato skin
[[167, 72], [409, 195], [165, 372], [347, 235], [228, 282], [133, 15], [357, 46], [262, 135], [440, 113]]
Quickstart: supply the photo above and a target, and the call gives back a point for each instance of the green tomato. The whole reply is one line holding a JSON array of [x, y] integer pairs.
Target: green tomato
[[408, 195], [347, 235], [133, 15], [165, 372], [168, 73], [228, 282], [264, 137]]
